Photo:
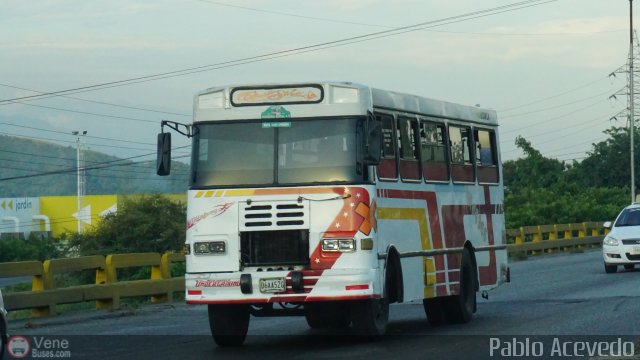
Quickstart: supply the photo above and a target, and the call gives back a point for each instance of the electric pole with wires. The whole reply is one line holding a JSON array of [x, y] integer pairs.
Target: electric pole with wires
[[630, 92]]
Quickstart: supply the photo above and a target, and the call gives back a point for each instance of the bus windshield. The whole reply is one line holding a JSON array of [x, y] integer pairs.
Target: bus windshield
[[263, 153]]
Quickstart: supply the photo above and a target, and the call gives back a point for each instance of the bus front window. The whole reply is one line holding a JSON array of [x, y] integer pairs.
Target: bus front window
[[317, 151], [230, 154], [307, 151]]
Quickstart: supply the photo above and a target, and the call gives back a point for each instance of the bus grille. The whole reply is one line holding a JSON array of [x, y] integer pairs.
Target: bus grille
[[274, 248], [274, 215]]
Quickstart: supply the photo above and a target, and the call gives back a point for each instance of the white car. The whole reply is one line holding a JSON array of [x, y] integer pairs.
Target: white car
[[621, 246]]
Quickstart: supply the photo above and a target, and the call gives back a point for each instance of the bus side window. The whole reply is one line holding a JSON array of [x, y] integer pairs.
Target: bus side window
[[486, 158], [408, 148], [461, 151], [433, 148], [387, 168]]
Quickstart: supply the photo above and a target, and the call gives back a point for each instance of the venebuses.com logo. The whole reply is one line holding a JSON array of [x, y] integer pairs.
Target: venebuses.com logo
[[20, 347]]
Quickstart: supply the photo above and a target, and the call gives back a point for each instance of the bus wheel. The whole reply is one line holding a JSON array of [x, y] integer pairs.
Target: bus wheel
[[460, 307], [327, 315], [229, 323], [434, 308], [370, 317]]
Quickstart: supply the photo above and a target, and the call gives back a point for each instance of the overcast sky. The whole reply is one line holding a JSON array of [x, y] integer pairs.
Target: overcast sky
[[544, 68]]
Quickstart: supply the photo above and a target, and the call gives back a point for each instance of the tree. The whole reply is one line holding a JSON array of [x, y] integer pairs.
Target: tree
[[540, 190], [608, 164], [534, 170], [148, 223]]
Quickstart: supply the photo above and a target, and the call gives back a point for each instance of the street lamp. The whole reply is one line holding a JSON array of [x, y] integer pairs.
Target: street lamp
[[80, 176]]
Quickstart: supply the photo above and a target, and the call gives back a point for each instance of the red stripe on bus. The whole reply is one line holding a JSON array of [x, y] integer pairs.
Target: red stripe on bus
[[357, 287]]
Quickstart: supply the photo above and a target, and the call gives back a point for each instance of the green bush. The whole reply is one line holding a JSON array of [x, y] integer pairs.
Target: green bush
[[150, 223], [33, 248]]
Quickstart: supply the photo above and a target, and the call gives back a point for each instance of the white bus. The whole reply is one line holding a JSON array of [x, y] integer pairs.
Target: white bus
[[333, 200]]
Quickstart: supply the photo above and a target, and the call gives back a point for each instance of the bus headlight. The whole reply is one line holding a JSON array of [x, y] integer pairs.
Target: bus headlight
[[211, 247], [338, 245]]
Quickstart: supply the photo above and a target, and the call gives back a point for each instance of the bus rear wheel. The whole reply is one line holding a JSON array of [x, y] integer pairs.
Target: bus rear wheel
[[460, 308], [370, 318], [229, 323]]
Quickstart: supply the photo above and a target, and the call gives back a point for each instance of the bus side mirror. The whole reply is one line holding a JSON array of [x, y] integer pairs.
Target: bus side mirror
[[163, 164], [374, 144]]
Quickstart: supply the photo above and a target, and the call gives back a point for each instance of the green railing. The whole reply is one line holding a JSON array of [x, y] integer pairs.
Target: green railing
[[107, 291]]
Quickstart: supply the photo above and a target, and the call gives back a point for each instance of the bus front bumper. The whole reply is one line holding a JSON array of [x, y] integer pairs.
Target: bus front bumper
[[312, 285]]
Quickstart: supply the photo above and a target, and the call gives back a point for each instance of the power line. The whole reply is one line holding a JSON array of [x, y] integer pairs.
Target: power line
[[73, 142], [597, 120], [391, 27], [367, 37], [555, 118], [105, 162], [556, 106], [98, 102], [78, 111], [69, 134], [102, 165], [71, 171], [554, 96], [133, 166]]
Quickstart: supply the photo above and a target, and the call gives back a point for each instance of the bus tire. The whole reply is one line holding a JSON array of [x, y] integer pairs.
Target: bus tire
[[434, 309], [370, 318], [460, 308], [327, 315], [229, 323]]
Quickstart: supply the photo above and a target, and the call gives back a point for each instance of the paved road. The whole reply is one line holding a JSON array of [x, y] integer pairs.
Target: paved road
[[564, 294]]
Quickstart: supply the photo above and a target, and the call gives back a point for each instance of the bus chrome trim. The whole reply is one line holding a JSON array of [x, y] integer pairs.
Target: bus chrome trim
[[456, 250]]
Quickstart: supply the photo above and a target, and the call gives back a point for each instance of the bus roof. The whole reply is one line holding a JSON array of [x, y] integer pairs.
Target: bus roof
[[343, 98]]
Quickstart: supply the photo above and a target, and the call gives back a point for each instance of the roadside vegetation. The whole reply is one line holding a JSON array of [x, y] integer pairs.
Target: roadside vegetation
[[541, 190]]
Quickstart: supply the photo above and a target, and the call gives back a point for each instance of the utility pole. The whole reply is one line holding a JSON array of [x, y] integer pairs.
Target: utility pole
[[632, 114], [80, 173], [630, 92]]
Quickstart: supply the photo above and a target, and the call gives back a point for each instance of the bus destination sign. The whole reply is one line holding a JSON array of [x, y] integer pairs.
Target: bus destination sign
[[279, 95]]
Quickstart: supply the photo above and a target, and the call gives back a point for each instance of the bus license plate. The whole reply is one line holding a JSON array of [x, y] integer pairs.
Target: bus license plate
[[635, 250], [272, 285]]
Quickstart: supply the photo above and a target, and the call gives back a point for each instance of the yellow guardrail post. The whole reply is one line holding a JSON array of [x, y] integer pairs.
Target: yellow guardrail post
[[47, 284], [548, 233], [165, 265], [582, 232], [158, 273], [108, 276], [534, 232], [595, 227]]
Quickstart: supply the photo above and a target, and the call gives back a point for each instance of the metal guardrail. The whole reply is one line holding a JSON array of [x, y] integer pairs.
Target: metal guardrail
[[106, 291], [558, 237]]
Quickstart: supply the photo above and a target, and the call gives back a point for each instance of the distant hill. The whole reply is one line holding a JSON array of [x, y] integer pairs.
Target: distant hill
[[34, 160]]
